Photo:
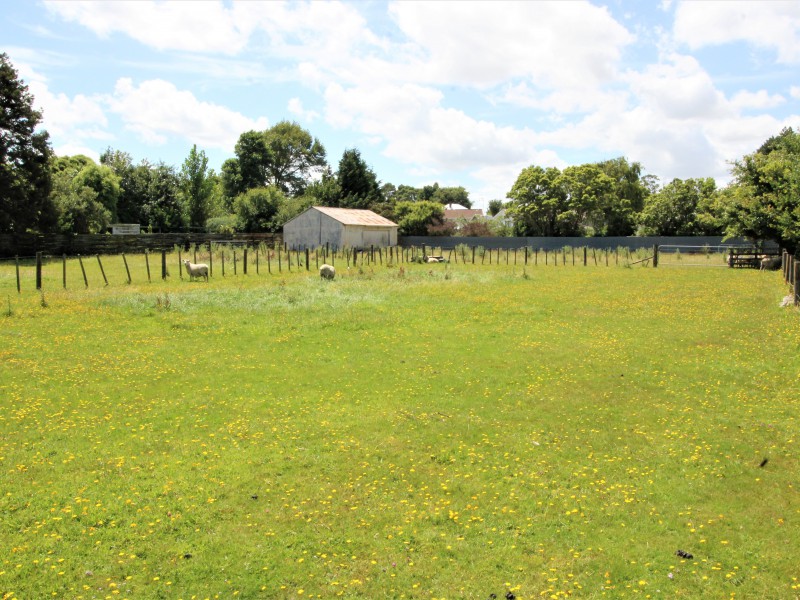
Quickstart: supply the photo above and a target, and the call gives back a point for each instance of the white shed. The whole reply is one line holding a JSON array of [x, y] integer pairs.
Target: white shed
[[339, 228]]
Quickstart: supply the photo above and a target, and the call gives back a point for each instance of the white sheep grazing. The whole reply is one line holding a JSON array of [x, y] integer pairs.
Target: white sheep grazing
[[327, 272], [194, 270]]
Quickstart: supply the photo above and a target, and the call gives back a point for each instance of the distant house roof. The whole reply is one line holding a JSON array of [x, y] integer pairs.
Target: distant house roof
[[355, 216], [462, 213]]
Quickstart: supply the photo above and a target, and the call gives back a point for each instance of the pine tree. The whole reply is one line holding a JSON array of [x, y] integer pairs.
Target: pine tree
[[24, 159]]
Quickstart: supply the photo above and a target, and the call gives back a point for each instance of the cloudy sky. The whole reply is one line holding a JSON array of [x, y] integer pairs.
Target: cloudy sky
[[463, 93]]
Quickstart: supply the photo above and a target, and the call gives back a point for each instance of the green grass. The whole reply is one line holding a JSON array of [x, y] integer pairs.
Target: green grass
[[431, 432]]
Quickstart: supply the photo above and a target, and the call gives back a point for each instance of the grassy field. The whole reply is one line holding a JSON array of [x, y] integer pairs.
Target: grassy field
[[431, 431]]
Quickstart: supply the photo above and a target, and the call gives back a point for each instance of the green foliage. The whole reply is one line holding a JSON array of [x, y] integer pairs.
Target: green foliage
[[414, 218], [682, 207], [163, 209], [619, 207], [197, 184], [495, 206], [221, 224], [134, 183], [257, 209], [357, 181], [537, 202], [104, 182], [763, 203], [24, 158], [77, 205], [284, 156]]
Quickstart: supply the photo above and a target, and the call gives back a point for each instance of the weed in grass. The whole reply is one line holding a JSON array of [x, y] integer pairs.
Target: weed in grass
[[8, 311], [42, 301], [163, 302]]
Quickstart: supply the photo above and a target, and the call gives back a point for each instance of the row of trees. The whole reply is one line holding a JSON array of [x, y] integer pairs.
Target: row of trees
[[279, 172]]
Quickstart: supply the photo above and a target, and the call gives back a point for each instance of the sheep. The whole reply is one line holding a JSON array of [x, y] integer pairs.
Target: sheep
[[200, 270], [770, 263], [327, 272]]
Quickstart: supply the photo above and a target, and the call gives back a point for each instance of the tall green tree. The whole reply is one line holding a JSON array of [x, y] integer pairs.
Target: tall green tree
[[583, 188], [537, 199], [104, 182], [678, 208], [763, 202], [75, 196], [618, 209], [357, 181], [197, 184], [285, 156], [25, 153], [452, 195], [134, 182], [163, 210]]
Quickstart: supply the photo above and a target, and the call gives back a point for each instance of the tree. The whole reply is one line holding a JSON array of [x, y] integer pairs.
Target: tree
[[133, 182], [358, 183], [77, 206], [163, 210], [495, 206], [413, 218], [104, 182], [618, 209], [452, 195], [675, 209], [326, 191], [257, 208], [582, 189], [197, 185], [284, 156], [74, 194], [25, 180], [537, 200], [763, 202]]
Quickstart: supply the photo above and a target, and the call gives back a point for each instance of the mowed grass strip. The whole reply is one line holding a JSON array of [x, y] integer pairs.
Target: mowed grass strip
[[436, 431]]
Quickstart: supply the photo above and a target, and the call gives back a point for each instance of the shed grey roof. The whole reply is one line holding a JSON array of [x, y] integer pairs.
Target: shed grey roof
[[354, 216]]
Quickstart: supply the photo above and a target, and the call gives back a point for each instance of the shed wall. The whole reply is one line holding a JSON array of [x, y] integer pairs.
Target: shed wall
[[312, 229]]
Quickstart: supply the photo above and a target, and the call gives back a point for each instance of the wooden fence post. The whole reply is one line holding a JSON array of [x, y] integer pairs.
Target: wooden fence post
[[796, 286], [38, 270], [16, 262], [85, 281], [244, 261], [102, 270], [210, 260], [307, 265], [146, 263], [127, 270], [234, 262], [164, 272], [222, 259], [64, 270], [180, 265], [585, 256], [655, 256]]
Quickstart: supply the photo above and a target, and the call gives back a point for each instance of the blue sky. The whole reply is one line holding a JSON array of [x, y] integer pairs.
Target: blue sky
[[462, 93]]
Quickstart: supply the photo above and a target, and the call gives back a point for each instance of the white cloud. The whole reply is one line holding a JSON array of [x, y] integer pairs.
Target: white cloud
[[295, 107], [678, 88], [794, 92], [416, 129], [485, 43], [156, 110], [759, 100], [774, 25], [192, 26]]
